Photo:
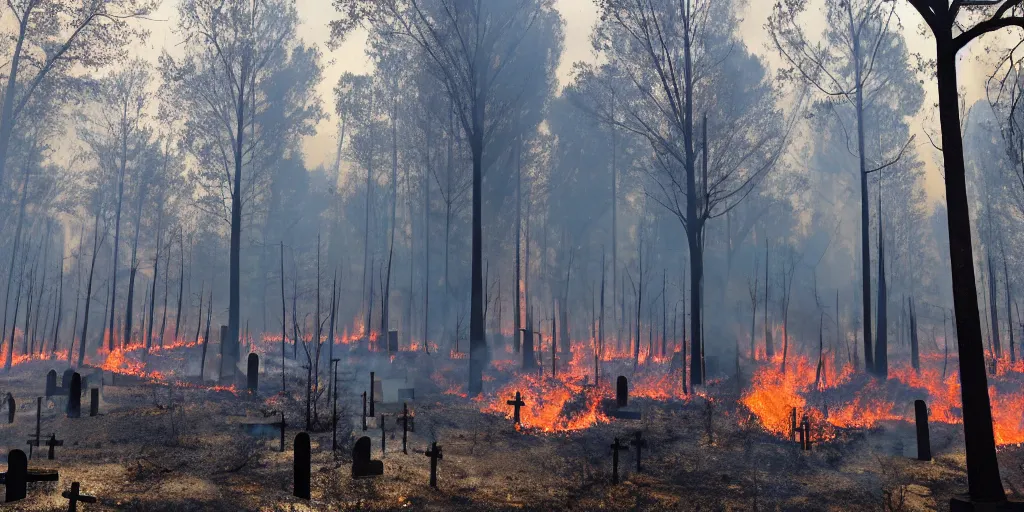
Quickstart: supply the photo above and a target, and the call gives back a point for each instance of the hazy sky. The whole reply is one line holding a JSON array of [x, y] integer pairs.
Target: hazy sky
[[580, 16]]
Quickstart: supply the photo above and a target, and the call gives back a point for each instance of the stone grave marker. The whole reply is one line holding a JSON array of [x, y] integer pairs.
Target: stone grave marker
[[621, 391], [12, 407], [94, 401], [517, 402], [65, 381], [362, 465], [924, 445], [301, 466], [74, 496], [75, 396], [435, 454], [51, 383], [18, 475], [282, 425], [252, 374], [392, 342]]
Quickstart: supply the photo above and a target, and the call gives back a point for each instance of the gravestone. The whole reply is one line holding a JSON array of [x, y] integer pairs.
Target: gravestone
[[435, 454], [362, 465], [75, 396], [639, 442], [621, 391], [18, 475], [16, 478], [65, 381], [392, 341], [53, 443], [301, 466], [94, 401], [924, 445], [74, 496], [517, 402], [252, 374], [616, 448], [12, 407], [51, 383]]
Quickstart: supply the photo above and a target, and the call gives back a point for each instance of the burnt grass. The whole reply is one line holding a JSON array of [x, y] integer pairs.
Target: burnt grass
[[160, 447]]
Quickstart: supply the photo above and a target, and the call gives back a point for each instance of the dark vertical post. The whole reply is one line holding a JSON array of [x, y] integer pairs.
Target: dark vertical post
[[924, 445], [364, 411], [17, 476], [12, 407], [334, 407], [252, 373], [371, 394], [94, 401], [75, 396], [301, 465], [616, 446]]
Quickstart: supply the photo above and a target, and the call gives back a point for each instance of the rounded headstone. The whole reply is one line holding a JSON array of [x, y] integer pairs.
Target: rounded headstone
[[302, 466]]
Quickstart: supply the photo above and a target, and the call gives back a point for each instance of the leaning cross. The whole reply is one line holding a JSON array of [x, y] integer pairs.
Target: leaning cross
[[383, 436], [404, 420], [434, 453], [639, 443], [53, 443], [517, 403], [616, 446], [74, 496]]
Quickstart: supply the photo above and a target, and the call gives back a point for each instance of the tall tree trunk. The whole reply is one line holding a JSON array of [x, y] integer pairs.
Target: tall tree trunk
[[517, 319], [1009, 298], [117, 241], [915, 358], [982, 465], [88, 291], [865, 244], [156, 273], [181, 284], [10, 270], [881, 361], [993, 306], [129, 315]]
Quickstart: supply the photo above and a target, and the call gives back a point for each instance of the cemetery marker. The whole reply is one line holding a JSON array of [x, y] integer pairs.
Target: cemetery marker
[[434, 453], [74, 496], [516, 403]]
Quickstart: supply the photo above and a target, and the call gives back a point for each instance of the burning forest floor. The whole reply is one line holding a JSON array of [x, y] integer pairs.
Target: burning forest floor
[[162, 443]]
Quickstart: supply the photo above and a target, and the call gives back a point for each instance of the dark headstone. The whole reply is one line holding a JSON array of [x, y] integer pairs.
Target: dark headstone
[[16, 478], [252, 374], [51, 383], [392, 341], [301, 466], [94, 401], [616, 448], [362, 465], [75, 396], [621, 391], [74, 496], [65, 380], [435, 454], [924, 445], [517, 402], [12, 407]]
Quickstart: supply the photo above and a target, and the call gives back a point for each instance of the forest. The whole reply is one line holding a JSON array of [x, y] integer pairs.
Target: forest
[[766, 244]]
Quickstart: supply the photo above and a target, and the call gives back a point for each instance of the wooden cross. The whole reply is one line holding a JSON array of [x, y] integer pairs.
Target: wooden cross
[[39, 436], [640, 444], [434, 453], [282, 425], [404, 419], [53, 443], [616, 447], [74, 496], [517, 403]]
